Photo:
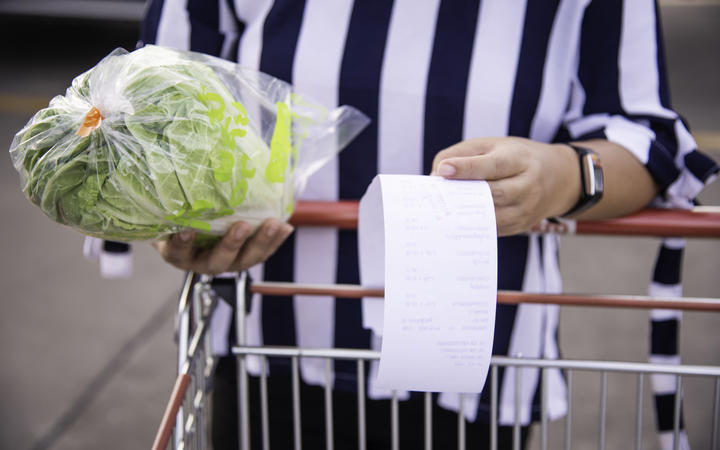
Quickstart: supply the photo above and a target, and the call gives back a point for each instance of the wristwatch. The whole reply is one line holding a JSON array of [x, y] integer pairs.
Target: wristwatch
[[591, 179]]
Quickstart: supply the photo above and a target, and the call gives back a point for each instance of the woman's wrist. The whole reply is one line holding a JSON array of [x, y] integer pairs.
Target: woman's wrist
[[564, 178]]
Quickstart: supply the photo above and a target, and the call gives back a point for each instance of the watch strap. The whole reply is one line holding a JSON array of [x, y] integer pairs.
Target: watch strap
[[591, 179]]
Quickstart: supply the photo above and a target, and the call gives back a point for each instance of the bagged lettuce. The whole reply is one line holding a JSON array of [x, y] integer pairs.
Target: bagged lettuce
[[157, 140]]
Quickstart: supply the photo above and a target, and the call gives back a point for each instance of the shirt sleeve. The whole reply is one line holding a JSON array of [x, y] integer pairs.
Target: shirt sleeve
[[115, 258], [620, 93]]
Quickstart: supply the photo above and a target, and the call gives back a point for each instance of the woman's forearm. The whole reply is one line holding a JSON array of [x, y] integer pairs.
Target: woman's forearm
[[628, 184]]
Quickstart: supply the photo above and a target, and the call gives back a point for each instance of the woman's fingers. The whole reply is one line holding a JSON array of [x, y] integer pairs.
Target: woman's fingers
[[178, 249], [472, 147], [236, 251], [268, 238], [220, 258], [488, 161]]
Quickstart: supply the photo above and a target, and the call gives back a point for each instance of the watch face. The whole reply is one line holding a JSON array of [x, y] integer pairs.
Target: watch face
[[588, 175], [591, 174], [599, 181]]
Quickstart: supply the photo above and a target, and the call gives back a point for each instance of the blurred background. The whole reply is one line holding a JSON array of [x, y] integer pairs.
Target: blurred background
[[90, 363]]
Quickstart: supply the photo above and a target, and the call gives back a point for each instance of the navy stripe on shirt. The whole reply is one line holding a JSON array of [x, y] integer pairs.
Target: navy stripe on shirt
[[664, 88], [116, 247], [280, 35], [668, 265], [539, 18], [349, 331], [661, 157], [205, 33], [661, 165], [598, 70], [278, 318], [511, 273], [594, 134], [665, 407], [448, 76], [536, 409], [700, 165], [360, 86], [150, 23], [664, 337]]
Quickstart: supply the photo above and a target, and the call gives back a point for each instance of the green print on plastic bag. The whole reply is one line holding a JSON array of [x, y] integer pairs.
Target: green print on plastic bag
[[231, 123], [279, 145], [241, 188], [215, 104], [224, 159], [231, 130]]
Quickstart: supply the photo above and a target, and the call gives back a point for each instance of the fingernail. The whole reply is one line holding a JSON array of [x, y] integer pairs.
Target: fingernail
[[240, 233], [446, 170], [272, 230], [286, 230], [185, 236]]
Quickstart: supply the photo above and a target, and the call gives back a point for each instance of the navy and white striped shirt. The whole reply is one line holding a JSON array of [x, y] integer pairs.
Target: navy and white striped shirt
[[431, 73]]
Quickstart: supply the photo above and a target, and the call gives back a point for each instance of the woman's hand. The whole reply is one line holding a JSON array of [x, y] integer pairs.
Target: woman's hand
[[236, 251], [529, 181]]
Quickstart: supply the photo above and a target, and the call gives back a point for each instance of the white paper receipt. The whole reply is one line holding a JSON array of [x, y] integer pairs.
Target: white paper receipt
[[432, 243]]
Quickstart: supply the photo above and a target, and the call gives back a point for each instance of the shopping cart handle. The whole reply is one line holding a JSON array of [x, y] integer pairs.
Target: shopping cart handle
[[168, 421], [701, 222], [341, 214]]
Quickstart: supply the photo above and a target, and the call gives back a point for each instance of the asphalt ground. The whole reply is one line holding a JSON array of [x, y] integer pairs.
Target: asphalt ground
[[89, 363]]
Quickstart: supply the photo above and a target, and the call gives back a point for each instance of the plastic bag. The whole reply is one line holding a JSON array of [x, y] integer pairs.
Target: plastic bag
[[158, 140]]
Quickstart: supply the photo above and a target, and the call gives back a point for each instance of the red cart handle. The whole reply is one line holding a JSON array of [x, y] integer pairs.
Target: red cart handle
[[701, 222]]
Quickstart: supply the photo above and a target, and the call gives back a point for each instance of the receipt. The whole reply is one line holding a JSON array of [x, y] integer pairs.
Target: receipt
[[432, 244]]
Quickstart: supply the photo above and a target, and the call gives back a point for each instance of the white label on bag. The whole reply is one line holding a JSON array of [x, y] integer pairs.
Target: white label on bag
[[432, 243]]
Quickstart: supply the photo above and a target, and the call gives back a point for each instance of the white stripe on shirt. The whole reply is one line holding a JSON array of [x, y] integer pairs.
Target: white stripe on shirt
[[315, 315], [174, 27], [686, 142], [316, 73], [253, 321], [560, 65], [401, 106], [252, 13], [639, 78], [631, 135], [228, 28], [490, 87], [528, 318], [557, 390]]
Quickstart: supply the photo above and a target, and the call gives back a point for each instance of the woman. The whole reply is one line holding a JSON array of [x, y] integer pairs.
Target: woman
[[492, 89]]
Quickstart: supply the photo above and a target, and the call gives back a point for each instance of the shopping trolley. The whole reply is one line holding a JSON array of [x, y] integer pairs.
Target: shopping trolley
[[184, 424]]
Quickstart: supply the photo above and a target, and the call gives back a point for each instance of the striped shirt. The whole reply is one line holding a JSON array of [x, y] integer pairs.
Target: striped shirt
[[431, 73]]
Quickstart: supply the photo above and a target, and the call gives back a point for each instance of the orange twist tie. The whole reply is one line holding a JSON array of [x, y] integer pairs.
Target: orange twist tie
[[93, 119]]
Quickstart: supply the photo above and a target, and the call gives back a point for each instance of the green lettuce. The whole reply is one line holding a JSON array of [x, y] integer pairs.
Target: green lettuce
[[176, 149]]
